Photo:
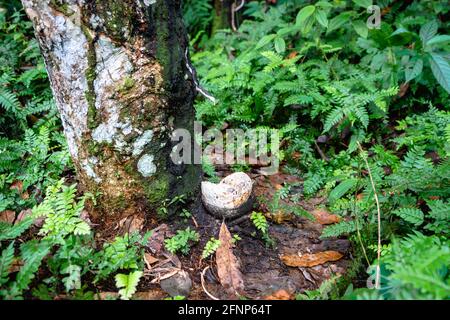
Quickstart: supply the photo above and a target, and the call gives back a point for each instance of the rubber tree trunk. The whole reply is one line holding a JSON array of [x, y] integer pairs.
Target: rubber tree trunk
[[222, 15], [119, 76]]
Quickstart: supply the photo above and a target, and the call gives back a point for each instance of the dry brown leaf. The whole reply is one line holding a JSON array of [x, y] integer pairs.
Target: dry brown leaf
[[279, 217], [227, 264], [280, 295], [16, 265], [157, 238], [7, 216], [324, 217], [136, 224], [150, 259], [311, 260], [18, 185], [23, 214]]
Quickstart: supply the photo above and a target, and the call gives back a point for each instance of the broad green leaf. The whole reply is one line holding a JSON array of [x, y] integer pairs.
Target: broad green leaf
[[304, 14], [441, 70], [361, 28], [307, 26], [324, 4], [321, 17], [265, 40], [285, 31], [127, 284], [363, 3], [280, 45], [341, 189], [401, 36], [416, 70], [439, 39], [338, 21], [428, 31]]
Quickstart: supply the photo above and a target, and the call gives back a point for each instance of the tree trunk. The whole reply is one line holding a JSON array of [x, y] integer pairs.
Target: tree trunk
[[119, 76], [222, 16]]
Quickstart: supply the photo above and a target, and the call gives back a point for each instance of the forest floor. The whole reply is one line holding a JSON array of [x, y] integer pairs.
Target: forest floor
[[263, 265]]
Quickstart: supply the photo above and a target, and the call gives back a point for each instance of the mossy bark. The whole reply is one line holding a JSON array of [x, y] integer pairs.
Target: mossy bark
[[119, 76], [222, 16]]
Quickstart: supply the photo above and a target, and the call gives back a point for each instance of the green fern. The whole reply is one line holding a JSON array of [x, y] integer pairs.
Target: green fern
[[211, 246], [260, 222], [341, 228], [411, 215], [128, 284], [6, 260]]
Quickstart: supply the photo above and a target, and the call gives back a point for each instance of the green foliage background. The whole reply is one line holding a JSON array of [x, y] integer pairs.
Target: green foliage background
[[311, 69]]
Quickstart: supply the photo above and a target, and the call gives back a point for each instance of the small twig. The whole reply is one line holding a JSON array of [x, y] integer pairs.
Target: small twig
[[322, 155], [195, 221], [377, 274], [239, 220], [360, 241], [202, 277]]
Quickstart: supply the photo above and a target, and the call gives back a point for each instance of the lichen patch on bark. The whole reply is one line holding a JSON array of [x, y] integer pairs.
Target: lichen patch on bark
[[118, 76]]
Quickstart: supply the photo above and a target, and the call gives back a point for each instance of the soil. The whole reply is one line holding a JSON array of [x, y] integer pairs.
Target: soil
[[263, 271]]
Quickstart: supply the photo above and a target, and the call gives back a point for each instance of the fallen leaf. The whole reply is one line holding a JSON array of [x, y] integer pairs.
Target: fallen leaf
[[296, 155], [23, 214], [38, 222], [279, 217], [7, 216], [18, 185], [403, 89], [227, 264], [131, 224], [84, 215], [311, 260], [280, 295], [149, 259], [16, 265], [156, 241], [293, 54], [324, 217]]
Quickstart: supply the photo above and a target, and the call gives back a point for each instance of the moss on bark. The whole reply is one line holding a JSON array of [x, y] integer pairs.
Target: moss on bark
[[124, 152]]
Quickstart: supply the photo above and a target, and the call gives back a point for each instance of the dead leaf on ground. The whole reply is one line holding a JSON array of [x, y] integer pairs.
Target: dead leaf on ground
[[156, 241], [324, 217], [280, 295], [16, 265], [7, 216], [38, 222], [311, 260], [84, 215], [131, 224], [227, 264], [149, 260], [18, 185], [279, 217]]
